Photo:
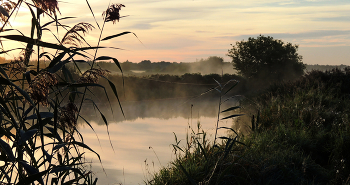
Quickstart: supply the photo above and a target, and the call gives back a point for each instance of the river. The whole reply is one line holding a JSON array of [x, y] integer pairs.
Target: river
[[142, 140]]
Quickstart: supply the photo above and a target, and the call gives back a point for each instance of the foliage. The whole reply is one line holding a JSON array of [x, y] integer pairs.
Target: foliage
[[266, 59], [40, 104], [301, 137], [206, 66], [197, 161], [163, 86]]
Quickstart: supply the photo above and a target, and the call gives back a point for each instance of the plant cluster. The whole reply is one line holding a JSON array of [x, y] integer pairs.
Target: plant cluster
[[40, 105], [267, 60], [300, 135], [200, 161]]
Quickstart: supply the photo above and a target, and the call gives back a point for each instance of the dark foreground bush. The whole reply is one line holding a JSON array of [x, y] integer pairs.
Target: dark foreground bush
[[301, 136]]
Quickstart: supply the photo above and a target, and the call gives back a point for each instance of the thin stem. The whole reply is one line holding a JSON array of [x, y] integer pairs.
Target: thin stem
[[92, 65], [218, 118]]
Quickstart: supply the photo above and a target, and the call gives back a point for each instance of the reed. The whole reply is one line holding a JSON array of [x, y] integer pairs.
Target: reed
[[40, 105]]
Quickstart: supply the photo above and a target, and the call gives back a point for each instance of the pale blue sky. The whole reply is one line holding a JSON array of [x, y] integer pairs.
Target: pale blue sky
[[186, 30]]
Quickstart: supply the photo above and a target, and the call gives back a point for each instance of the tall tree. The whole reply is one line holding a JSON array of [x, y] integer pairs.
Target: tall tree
[[266, 58]]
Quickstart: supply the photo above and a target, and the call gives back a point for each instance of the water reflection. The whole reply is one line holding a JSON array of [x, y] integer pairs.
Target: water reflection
[[162, 109], [147, 123]]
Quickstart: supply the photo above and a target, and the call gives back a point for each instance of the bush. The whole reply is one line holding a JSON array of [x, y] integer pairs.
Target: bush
[[266, 59]]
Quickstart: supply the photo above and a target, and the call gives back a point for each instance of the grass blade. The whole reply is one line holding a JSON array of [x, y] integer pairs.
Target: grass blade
[[21, 38], [232, 116], [231, 108], [193, 182]]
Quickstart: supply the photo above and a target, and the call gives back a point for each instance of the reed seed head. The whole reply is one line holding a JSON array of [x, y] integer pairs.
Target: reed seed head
[[39, 87], [68, 116], [112, 13], [5, 9], [92, 75], [73, 37], [16, 66], [49, 6]]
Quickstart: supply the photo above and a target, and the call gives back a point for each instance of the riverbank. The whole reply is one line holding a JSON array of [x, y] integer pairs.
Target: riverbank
[[299, 135]]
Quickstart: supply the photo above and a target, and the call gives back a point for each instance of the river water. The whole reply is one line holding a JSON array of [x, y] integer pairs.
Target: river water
[[142, 140]]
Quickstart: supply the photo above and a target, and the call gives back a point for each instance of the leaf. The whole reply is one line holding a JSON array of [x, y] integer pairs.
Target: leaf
[[57, 59], [232, 116], [31, 178], [108, 58], [2, 71], [21, 38], [60, 168], [4, 12], [218, 83], [45, 54], [223, 137], [6, 147], [26, 135], [25, 94], [92, 128], [5, 174], [48, 23], [116, 95], [42, 115], [58, 137], [48, 156], [229, 129], [2, 52], [86, 85], [35, 22], [67, 74], [231, 87], [193, 182], [30, 169], [117, 35], [95, 181], [4, 81], [57, 67], [105, 120], [86, 147], [203, 151], [6, 133], [27, 111], [175, 146], [231, 108]]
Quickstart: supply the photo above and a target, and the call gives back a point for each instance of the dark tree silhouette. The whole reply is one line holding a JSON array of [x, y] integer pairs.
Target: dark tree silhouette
[[266, 58]]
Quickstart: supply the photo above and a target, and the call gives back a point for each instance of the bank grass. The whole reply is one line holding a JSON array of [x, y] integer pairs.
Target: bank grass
[[299, 134]]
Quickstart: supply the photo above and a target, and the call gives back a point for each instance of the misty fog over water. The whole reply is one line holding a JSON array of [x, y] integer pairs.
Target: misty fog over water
[[146, 124], [161, 109]]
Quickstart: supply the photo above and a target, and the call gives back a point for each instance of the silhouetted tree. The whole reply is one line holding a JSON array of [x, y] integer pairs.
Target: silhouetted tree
[[268, 59], [145, 64]]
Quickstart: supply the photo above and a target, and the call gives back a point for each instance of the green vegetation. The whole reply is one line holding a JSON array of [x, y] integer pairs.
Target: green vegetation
[[299, 135], [155, 87], [267, 60], [210, 65], [40, 104]]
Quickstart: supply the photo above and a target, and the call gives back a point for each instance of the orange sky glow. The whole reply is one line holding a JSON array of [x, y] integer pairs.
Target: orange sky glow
[[189, 30]]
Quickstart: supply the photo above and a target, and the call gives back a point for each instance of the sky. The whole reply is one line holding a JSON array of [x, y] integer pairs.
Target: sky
[[189, 30]]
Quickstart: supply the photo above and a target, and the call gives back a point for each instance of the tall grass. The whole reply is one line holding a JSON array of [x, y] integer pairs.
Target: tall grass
[[40, 105], [300, 136], [198, 161]]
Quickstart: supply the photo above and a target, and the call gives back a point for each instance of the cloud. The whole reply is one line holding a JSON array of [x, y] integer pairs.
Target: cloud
[[300, 35], [140, 26], [333, 19]]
